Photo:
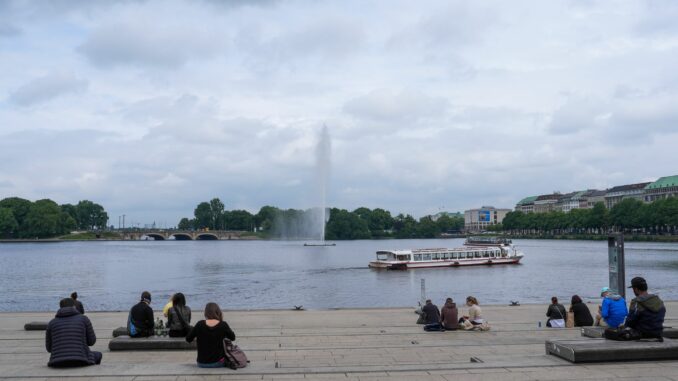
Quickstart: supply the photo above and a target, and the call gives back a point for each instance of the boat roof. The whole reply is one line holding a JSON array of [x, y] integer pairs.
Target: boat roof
[[440, 250]]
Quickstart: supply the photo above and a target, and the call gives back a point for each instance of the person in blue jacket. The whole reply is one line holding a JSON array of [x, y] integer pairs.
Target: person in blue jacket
[[613, 311]]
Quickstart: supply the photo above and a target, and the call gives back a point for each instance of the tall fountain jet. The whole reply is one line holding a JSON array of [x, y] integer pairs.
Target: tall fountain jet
[[321, 214]]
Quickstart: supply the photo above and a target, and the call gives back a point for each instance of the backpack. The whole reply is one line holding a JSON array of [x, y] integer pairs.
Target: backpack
[[131, 329], [234, 356], [621, 334]]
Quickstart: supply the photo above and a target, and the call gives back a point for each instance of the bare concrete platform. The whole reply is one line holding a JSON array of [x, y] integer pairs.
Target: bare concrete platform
[[161, 343], [601, 350], [355, 344]]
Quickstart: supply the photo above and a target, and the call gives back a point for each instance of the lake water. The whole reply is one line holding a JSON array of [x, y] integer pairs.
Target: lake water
[[280, 274]]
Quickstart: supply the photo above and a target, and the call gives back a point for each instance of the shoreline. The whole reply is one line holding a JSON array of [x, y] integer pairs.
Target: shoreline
[[563, 237], [545, 304]]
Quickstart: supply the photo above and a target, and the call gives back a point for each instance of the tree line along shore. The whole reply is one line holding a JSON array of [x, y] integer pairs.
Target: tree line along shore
[[21, 219]]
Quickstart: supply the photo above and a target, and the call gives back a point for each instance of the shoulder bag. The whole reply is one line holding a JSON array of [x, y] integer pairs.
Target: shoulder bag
[[234, 356], [558, 323]]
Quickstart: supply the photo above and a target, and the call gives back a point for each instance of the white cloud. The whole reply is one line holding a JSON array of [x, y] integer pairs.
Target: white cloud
[[150, 107], [47, 87]]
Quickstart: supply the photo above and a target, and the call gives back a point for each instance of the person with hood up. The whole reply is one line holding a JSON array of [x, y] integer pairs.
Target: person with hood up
[[647, 311], [449, 315], [69, 336], [581, 314], [613, 310]]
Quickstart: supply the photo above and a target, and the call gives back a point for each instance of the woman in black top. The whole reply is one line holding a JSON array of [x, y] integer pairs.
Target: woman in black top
[[210, 334], [582, 314]]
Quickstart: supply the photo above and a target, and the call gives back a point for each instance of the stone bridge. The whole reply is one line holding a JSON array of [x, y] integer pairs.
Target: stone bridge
[[183, 235]]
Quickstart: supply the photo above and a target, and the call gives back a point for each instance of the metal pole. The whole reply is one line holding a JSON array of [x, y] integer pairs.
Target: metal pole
[[423, 291], [616, 264]]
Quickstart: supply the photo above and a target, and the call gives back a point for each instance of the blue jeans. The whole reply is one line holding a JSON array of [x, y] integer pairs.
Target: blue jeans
[[218, 364]]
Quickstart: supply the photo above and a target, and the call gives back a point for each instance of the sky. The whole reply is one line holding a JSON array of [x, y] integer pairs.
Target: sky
[[150, 107]]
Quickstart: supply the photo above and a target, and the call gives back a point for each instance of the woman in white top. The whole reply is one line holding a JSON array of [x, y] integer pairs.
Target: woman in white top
[[474, 312]]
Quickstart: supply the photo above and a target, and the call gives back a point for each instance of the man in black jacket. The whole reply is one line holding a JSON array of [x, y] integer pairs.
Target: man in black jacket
[[647, 311], [69, 336], [141, 317]]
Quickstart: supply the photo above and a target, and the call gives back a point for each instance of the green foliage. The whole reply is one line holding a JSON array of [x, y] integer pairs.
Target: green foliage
[[88, 215], [346, 225], [185, 224], [21, 218], [8, 224], [203, 216], [628, 215], [238, 220]]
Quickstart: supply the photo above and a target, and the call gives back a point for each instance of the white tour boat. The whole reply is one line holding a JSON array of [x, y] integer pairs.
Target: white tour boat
[[462, 256]]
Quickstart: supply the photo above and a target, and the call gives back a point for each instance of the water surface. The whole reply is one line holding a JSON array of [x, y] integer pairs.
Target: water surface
[[280, 274]]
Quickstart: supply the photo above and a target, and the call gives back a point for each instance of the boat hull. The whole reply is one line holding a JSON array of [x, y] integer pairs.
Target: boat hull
[[447, 263]]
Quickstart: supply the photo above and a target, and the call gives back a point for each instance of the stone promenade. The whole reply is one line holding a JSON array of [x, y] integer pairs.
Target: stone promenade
[[347, 345]]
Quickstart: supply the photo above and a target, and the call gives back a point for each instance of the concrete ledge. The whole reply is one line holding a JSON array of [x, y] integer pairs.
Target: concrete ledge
[[120, 331], [597, 332], [600, 350], [36, 326], [126, 343]]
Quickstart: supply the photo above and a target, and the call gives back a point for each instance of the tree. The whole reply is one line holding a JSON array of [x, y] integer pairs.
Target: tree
[[8, 224], [626, 214], [203, 216], [265, 218], [346, 225], [43, 220], [19, 208], [238, 220], [185, 224], [90, 216], [217, 214], [405, 226], [427, 228]]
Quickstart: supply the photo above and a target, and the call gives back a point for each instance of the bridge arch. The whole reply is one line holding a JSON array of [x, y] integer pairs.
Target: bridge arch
[[182, 237], [206, 237], [156, 236]]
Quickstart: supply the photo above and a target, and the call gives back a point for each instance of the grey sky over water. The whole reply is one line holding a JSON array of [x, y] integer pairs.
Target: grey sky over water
[[150, 107]]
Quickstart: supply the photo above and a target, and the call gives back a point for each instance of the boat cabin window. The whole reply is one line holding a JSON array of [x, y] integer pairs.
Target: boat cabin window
[[436, 256], [446, 256], [462, 255], [427, 257], [492, 254], [486, 254], [403, 257], [453, 255], [385, 256], [417, 257], [477, 254]]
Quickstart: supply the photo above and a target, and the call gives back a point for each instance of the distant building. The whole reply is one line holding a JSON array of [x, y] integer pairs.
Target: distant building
[[592, 197], [448, 214], [546, 202], [570, 201], [526, 205], [664, 187], [476, 220], [616, 194]]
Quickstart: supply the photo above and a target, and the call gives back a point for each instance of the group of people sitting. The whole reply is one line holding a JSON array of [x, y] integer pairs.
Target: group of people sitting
[[70, 334], [644, 317], [448, 318]]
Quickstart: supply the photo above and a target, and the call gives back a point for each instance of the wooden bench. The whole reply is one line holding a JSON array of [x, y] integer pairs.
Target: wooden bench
[[126, 343], [600, 350], [597, 332], [36, 326]]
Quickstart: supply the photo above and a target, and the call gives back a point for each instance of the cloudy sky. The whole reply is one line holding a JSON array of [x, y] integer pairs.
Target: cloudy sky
[[149, 107]]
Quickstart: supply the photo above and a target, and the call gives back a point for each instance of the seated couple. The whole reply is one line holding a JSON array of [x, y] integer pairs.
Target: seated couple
[[140, 322], [447, 318], [645, 319]]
